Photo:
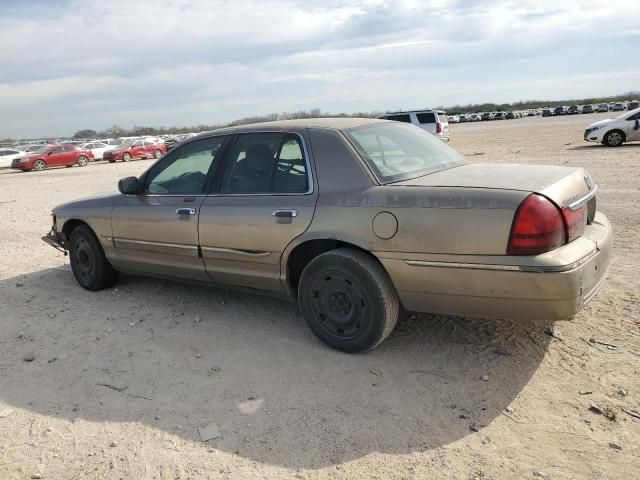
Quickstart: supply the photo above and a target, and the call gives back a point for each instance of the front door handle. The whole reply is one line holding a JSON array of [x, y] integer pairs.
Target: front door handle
[[285, 213], [186, 211]]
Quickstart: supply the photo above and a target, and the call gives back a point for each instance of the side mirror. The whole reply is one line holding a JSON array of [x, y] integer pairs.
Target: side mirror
[[49, 153], [129, 186]]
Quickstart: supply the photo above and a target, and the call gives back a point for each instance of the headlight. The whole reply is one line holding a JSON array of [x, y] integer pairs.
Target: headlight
[[593, 129]]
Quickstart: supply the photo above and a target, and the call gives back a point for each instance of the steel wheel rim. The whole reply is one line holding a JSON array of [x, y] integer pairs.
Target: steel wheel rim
[[615, 138], [82, 161], [339, 304], [83, 261]]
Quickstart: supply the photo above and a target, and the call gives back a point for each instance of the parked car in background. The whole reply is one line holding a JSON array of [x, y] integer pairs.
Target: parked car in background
[[613, 132], [633, 104], [587, 109], [97, 148], [611, 105], [573, 110], [475, 117], [500, 116], [486, 116], [603, 107], [560, 110], [135, 149], [432, 121], [455, 118], [511, 115], [546, 112], [8, 155], [54, 156], [422, 232], [618, 107]]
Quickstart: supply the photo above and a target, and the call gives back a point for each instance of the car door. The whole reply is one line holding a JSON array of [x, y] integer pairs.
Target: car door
[[633, 128], [263, 200], [55, 157], [156, 231], [69, 155], [137, 149]]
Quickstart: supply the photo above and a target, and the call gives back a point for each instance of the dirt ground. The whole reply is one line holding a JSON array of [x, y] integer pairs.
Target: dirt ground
[[122, 379]]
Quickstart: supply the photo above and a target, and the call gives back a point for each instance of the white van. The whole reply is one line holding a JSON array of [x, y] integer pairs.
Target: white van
[[433, 121]]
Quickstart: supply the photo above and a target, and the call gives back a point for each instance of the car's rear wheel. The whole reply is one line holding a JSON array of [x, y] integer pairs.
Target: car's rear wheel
[[157, 154], [83, 161], [614, 138], [39, 165], [126, 157], [348, 300], [90, 267]]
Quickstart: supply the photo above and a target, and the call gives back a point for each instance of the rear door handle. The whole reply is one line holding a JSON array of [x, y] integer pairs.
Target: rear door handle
[[186, 211], [285, 213]]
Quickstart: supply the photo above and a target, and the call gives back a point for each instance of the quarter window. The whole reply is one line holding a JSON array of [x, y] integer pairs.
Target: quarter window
[[426, 117], [400, 118], [266, 163], [184, 170]]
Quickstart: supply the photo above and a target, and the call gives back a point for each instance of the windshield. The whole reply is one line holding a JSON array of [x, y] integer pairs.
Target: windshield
[[396, 151], [627, 114], [126, 143], [41, 150]]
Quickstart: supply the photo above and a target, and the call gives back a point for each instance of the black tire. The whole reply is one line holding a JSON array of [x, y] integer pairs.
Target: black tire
[[348, 300], [89, 265], [614, 138]]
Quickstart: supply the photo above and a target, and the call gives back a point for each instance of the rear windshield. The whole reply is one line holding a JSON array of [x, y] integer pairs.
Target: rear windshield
[[396, 152]]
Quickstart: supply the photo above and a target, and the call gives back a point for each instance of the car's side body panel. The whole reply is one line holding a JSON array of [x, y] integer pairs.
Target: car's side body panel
[[442, 238]]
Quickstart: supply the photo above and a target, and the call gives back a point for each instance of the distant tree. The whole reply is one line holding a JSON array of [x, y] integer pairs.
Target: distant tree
[[115, 131], [86, 133]]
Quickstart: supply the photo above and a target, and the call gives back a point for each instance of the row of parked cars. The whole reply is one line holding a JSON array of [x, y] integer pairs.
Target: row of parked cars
[[69, 153], [546, 112]]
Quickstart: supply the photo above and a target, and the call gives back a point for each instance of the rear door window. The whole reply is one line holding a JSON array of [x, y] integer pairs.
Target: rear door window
[[266, 163], [428, 117]]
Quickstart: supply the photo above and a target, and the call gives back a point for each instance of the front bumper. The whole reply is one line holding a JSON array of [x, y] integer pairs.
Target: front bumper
[[55, 240], [594, 135], [551, 286]]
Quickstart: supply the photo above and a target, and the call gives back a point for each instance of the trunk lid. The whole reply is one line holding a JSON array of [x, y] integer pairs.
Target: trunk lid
[[563, 185]]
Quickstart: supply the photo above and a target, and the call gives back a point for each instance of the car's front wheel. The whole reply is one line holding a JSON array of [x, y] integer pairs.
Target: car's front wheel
[[90, 267], [157, 154], [39, 165], [83, 161], [614, 138], [126, 157], [348, 300]]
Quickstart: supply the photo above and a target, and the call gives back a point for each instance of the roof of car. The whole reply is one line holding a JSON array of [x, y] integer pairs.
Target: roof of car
[[339, 123]]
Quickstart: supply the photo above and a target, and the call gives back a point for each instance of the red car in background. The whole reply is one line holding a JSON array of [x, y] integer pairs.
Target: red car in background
[[53, 156], [131, 149]]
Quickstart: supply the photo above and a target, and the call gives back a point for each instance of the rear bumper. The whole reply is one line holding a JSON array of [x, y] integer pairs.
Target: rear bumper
[[550, 286]]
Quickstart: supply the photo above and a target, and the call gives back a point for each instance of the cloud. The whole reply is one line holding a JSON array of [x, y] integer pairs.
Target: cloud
[[89, 63]]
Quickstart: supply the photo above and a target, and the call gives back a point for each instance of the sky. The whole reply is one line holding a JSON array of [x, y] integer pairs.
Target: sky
[[69, 65]]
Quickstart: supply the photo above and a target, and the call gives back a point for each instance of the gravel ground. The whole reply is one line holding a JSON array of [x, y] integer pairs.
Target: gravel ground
[[119, 381]]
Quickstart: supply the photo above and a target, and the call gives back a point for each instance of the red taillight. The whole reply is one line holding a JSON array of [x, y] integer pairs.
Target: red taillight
[[574, 221], [438, 127], [538, 227]]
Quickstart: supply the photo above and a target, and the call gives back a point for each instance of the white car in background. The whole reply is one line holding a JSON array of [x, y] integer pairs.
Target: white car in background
[[432, 121], [7, 155], [613, 132], [97, 148]]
